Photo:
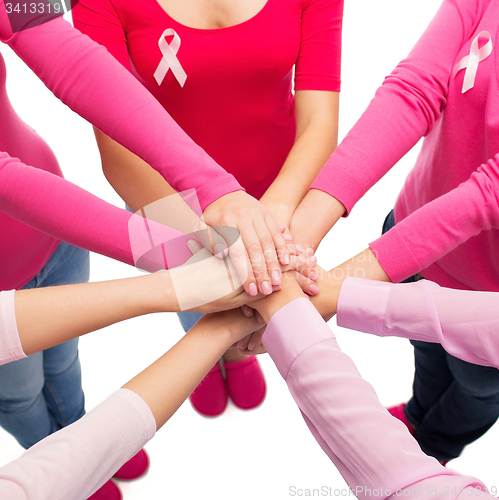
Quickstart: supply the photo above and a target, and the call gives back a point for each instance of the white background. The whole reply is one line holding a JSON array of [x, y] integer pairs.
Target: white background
[[264, 452]]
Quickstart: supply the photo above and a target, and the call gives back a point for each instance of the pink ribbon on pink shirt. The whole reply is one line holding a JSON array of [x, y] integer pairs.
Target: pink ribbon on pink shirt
[[169, 60], [470, 62]]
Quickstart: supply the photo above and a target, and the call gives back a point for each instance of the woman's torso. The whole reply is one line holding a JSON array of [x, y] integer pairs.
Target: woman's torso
[[237, 100], [23, 250], [465, 137]]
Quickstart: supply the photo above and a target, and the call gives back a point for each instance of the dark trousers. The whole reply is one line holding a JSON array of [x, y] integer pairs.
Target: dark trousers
[[453, 402]]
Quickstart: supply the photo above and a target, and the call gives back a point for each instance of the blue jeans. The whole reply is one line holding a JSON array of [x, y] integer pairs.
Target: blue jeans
[[42, 393], [453, 402], [188, 319]]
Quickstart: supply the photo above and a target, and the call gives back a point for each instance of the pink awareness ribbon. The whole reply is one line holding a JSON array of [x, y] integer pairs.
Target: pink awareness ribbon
[[169, 60], [470, 62]]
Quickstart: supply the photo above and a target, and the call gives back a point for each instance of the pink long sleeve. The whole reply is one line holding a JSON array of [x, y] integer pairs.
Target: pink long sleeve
[[372, 450], [68, 212], [86, 78], [464, 322], [74, 462], [447, 240]]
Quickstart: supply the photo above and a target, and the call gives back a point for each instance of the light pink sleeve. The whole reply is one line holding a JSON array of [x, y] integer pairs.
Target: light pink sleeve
[[91, 82], [465, 322], [67, 212], [74, 462], [373, 451], [10, 343]]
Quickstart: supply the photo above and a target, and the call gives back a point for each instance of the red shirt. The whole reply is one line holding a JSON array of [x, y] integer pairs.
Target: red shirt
[[237, 101]]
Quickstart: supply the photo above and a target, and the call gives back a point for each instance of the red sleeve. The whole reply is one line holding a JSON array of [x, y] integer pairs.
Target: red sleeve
[[318, 66], [98, 19]]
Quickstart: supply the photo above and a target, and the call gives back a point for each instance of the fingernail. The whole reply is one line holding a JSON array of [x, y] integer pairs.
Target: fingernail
[[288, 237], [266, 288], [282, 228], [276, 278], [251, 347], [191, 243], [313, 275], [285, 259], [303, 257], [253, 290], [220, 250], [313, 258], [299, 248], [314, 289], [310, 251]]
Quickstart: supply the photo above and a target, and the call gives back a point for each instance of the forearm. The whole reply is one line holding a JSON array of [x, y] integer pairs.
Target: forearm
[[168, 382], [311, 149], [314, 217], [316, 115], [132, 178], [49, 316], [371, 449], [464, 322], [82, 75], [364, 265]]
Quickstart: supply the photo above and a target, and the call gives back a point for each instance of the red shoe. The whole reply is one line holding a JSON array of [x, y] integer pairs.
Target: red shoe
[[209, 398], [245, 382], [133, 469], [399, 413], [109, 491]]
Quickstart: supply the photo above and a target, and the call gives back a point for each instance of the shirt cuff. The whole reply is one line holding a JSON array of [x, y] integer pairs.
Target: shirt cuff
[[10, 344], [362, 305], [292, 330], [142, 409], [395, 256]]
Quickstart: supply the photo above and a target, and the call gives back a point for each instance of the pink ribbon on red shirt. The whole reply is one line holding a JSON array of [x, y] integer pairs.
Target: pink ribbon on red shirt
[[470, 62], [169, 60]]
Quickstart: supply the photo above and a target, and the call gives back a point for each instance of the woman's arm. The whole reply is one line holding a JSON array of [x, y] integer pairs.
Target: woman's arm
[[373, 451], [316, 115], [33, 320], [81, 75], [404, 109], [464, 322], [76, 461]]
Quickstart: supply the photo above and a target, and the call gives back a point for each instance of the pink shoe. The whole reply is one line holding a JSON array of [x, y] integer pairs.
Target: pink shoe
[[109, 491], [209, 398], [399, 413], [245, 382], [133, 469]]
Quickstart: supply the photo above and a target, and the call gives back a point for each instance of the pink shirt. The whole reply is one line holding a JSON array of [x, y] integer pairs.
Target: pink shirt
[[464, 322], [237, 101], [81, 76], [373, 451], [448, 212]]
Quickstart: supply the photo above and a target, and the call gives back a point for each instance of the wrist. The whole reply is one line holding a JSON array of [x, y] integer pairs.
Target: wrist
[[164, 298], [271, 304], [314, 217]]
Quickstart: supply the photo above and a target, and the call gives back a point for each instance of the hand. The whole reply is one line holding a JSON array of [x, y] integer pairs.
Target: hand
[[290, 290], [207, 284], [232, 323], [252, 344], [254, 253], [303, 262]]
